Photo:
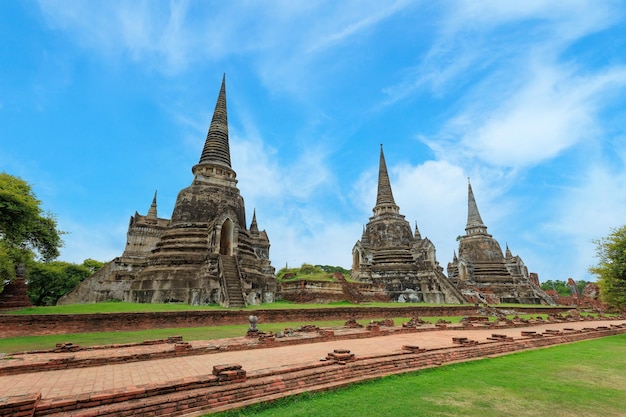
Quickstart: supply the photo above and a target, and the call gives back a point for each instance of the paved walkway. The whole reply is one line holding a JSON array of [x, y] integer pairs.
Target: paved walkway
[[69, 382]]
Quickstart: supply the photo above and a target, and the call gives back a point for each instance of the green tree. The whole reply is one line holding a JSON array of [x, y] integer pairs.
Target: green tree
[[93, 265], [49, 281], [25, 230], [562, 287], [307, 269], [559, 286], [611, 268], [330, 269]]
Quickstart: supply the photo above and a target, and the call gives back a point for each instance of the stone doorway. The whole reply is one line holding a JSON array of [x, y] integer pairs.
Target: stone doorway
[[226, 238]]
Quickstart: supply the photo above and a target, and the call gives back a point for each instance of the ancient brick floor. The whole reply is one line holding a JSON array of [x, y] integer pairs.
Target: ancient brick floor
[[69, 382]]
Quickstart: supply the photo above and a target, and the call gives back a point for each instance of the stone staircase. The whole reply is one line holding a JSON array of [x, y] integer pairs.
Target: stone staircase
[[233, 281], [350, 290]]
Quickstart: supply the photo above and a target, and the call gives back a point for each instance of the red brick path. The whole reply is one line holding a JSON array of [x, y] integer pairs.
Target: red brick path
[[64, 384]]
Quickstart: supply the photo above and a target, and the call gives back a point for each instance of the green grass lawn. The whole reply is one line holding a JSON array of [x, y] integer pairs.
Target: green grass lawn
[[580, 379], [29, 343], [122, 307], [110, 307]]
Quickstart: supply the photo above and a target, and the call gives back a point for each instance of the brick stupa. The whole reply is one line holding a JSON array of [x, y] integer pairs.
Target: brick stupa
[[484, 274], [204, 254], [389, 253]]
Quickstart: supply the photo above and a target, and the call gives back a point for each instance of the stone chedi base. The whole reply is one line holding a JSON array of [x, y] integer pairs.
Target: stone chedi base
[[391, 255], [204, 254]]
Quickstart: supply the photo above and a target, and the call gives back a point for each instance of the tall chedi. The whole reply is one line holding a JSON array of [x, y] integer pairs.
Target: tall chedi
[[206, 254], [390, 254], [483, 273]]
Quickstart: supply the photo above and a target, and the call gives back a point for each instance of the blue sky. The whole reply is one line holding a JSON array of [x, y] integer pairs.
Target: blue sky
[[104, 102]]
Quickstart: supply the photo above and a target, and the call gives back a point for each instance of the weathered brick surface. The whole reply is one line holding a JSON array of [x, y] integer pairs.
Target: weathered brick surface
[[31, 325], [197, 395], [17, 406], [19, 367]]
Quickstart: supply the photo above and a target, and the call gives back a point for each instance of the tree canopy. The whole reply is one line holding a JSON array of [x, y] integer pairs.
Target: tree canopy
[[49, 281], [611, 268], [308, 269], [25, 230], [562, 287]]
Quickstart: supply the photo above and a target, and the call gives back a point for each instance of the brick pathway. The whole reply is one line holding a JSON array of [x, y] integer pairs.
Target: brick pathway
[[63, 383]]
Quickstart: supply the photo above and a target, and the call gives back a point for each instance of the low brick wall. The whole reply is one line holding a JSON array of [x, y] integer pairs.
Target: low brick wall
[[210, 393], [21, 405], [32, 325]]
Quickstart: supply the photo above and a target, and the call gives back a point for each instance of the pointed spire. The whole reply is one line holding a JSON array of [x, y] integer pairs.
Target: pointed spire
[[364, 239], [417, 235], [384, 199], [152, 212], [454, 258], [474, 222], [216, 148], [253, 226], [508, 252], [385, 196]]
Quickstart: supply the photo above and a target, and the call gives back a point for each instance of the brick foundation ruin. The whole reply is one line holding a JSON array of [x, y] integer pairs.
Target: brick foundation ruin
[[230, 386]]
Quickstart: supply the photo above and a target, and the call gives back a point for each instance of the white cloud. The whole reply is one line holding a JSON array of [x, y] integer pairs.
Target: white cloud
[[548, 114], [146, 31], [257, 170], [263, 177], [100, 241], [348, 21], [435, 195], [487, 37], [171, 36], [312, 238], [585, 212]]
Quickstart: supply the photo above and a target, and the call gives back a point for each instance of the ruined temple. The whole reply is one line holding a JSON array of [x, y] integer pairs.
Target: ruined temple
[[484, 274], [390, 254], [204, 254], [15, 293]]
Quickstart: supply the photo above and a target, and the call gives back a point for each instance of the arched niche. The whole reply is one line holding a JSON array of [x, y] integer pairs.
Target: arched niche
[[226, 238], [356, 260]]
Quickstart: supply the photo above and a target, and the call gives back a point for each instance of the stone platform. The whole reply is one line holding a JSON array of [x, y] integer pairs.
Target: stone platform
[[231, 373]]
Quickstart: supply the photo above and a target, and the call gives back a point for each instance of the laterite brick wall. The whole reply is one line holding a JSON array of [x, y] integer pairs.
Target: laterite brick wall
[[31, 325]]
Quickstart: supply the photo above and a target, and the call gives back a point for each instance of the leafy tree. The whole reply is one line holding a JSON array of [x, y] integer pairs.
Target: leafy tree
[[331, 269], [611, 268], [25, 231], [310, 269], [287, 271], [93, 265], [49, 281], [559, 286], [562, 287]]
